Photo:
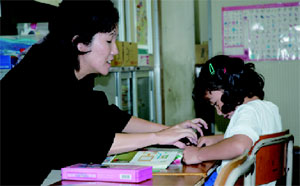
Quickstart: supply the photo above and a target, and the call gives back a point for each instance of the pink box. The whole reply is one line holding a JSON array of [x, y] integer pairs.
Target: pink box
[[115, 173]]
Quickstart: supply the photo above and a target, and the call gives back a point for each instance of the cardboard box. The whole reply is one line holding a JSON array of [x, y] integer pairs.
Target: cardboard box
[[118, 59], [144, 59], [201, 52], [130, 54]]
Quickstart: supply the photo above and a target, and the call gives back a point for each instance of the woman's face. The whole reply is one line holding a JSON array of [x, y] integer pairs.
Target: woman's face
[[101, 52], [214, 98]]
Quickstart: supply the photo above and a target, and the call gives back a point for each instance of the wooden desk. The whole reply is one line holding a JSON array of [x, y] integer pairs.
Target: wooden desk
[[184, 175], [155, 181], [202, 169]]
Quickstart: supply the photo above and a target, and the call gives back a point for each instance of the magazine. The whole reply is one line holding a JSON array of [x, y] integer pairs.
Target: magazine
[[156, 159]]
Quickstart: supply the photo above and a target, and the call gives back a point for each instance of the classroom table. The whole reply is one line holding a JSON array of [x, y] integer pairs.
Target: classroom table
[[175, 175]]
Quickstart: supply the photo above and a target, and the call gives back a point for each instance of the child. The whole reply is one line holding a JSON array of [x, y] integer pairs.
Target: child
[[236, 92]]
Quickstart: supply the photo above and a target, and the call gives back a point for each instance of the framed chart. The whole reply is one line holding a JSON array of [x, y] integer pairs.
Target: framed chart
[[268, 32]]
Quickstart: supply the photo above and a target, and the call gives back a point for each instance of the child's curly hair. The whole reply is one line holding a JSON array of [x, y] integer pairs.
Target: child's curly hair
[[237, 79]]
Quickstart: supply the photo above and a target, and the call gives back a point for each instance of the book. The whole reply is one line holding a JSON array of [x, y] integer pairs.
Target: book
[[98, 172], [155, 159]]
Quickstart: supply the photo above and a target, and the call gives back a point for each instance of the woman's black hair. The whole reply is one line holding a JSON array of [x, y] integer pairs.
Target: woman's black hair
[[236, 78], [83, 19]]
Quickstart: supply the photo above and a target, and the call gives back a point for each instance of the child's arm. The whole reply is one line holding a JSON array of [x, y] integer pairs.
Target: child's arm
[[210, 140], [228, 148]]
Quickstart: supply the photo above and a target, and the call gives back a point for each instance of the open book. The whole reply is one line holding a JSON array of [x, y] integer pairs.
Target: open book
[[156, 159]]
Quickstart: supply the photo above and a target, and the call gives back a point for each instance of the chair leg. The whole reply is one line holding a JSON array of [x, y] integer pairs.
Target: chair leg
[[289, 171]]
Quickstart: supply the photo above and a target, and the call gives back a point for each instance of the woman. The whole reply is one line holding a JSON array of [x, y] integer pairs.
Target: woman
[[50, 115]]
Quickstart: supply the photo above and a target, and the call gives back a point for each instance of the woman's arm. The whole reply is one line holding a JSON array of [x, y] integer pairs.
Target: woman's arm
[[137, 125], [144, 133], [129, 142], [228, 148]]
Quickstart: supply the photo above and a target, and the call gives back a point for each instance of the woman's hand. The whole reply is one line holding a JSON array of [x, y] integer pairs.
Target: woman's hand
[[172, 135], [197, 124]]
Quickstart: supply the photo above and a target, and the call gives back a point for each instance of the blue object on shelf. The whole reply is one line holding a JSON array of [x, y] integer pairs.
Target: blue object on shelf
[[5, 62]]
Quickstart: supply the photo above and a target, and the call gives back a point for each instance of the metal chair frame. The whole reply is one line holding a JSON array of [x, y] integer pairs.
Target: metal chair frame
[[286, 138], [231, 172], [246, 164]]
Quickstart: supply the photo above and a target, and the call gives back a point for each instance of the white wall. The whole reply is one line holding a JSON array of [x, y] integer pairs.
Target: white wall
[[282, 78], [177, 59], [201, 21]]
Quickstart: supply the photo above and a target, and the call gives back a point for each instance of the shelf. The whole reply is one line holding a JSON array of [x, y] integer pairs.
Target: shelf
[[130, 69]]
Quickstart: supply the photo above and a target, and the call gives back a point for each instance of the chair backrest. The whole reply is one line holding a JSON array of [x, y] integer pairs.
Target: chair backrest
[[273, 156], [231, 172]]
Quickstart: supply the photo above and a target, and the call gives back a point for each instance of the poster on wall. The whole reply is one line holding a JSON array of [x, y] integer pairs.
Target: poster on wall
[[142, 24], [143, 20], [266, 32]]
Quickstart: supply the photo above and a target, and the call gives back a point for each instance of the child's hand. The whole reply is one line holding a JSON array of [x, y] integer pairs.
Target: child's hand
[[205, 141], [190, 155], [209, 140]]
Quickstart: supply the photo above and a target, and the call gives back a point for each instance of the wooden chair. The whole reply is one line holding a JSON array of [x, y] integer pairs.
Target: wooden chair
[[236, 168], [273, 154]]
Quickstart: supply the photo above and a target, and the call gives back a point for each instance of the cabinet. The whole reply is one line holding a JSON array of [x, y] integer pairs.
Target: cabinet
[[131, 89]]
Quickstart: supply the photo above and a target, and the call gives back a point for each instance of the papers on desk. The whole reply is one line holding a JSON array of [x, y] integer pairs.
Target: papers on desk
[[156, 159], [53, 177]]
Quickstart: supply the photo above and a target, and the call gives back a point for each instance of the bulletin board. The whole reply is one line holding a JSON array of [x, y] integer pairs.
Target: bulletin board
[[266, 32]]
